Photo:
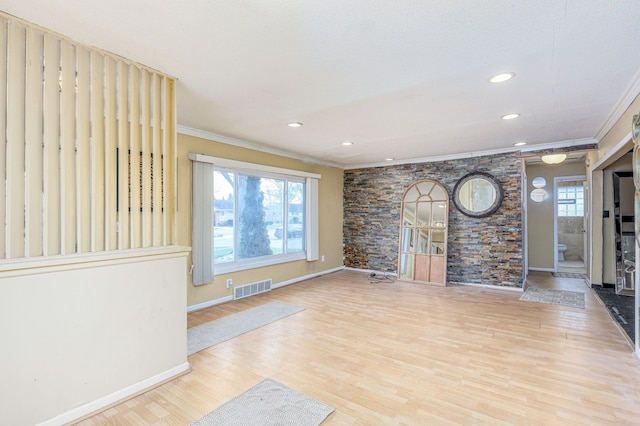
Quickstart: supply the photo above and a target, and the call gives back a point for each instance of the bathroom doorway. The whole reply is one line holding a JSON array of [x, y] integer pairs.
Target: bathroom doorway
[[570, 223]]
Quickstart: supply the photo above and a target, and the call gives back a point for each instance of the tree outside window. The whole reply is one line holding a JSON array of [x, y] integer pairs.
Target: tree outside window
[[257, 216]]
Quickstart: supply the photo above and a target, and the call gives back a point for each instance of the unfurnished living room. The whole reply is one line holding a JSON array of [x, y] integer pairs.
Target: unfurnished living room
[[318, 212]]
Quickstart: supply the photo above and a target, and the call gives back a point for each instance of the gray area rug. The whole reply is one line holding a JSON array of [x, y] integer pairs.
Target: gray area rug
[[211, 333], [568, 275], [268, 403], [573, 299]]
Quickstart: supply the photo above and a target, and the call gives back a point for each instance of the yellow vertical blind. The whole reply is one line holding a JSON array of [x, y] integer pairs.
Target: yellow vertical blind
[[88, 158]]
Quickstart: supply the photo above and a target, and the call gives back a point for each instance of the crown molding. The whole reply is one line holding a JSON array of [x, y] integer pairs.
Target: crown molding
[[189, 131], [433, 159], [214, 137], [526, 149], [627, 98]]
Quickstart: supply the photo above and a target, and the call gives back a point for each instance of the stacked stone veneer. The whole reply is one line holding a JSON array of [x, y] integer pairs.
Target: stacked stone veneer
[[480, 250]]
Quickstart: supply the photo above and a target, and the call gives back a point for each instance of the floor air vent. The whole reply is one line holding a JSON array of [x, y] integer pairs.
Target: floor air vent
[[251, 289]]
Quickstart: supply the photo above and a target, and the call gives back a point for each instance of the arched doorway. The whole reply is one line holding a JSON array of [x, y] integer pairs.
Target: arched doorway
[[423, 233]]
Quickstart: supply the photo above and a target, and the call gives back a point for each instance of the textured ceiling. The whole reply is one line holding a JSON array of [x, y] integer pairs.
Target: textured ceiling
[[402, 79]]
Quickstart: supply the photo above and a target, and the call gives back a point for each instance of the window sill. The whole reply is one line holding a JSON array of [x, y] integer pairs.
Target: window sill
[[271, 260]]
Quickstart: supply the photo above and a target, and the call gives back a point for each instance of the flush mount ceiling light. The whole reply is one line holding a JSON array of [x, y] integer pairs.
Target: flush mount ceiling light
[[294, 124], [388, 159], [554, 158], [510, 116], [347, 143], [500, 78], [519, 144]]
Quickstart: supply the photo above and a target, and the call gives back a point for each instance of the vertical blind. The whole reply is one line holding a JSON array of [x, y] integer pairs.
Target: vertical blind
[[88, 158], [202, 237]]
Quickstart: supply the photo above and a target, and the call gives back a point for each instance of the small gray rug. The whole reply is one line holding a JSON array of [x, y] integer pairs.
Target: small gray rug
[[574, 299], [268, 403], [568, 275], [206, 335]]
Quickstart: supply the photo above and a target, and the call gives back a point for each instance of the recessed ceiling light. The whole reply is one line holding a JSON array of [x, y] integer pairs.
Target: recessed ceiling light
[[510, 116], [294, 124], [388, 159], [519, 144], [500, 78], [347, 143]]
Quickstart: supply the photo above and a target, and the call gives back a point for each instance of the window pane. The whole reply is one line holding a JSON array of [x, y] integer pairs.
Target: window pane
[[254, 239], [423, 241], [257, 216], [573, 196], [295, 217], [409, 214], [406, 266], [437, 194], [223, 216], [407, 240], [274, 210], [424, 214], [412, 195], [439, 216], [437, 242]]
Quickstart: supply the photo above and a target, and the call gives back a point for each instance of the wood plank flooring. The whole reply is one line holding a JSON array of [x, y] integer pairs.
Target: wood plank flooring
[[413, 354]]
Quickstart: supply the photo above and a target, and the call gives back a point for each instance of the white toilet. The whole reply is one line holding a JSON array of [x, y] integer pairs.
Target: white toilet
[[561, 249]]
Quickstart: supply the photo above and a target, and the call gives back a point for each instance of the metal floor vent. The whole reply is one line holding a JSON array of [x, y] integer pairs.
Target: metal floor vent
[[251, 289]]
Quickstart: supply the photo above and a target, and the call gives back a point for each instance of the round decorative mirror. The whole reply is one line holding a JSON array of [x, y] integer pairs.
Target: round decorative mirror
[[478, 194], [539, 195], [539, 182]]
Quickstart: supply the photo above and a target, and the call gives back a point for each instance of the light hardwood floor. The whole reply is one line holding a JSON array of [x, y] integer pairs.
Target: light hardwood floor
[[413, 354]]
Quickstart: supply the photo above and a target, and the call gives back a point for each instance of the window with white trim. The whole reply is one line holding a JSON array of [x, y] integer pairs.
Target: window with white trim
[[570, 201], [249, 215], [257, 215]]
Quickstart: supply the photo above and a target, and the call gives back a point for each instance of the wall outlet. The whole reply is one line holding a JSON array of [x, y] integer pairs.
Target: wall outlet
[[322, 258], [229, 283]]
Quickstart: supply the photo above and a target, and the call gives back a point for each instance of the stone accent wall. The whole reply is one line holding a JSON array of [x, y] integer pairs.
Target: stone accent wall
[[480, 251]]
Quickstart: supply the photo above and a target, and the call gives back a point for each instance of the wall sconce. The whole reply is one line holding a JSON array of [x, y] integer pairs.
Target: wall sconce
[[554, 158]]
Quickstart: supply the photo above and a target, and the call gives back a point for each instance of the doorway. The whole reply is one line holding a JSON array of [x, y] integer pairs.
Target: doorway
[[570, 224]]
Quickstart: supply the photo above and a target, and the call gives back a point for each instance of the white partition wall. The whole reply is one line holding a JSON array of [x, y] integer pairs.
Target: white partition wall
[[92, 287], [78, 337]]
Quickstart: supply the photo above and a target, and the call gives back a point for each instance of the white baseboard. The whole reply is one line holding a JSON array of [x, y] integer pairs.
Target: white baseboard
[[116, 397], [307, 277], [280, 284], [492, 287], [369, 271], [209, 303], [541, 269]]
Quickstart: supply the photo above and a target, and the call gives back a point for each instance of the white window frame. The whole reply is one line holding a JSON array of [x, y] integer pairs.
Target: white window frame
[[202, 256]]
